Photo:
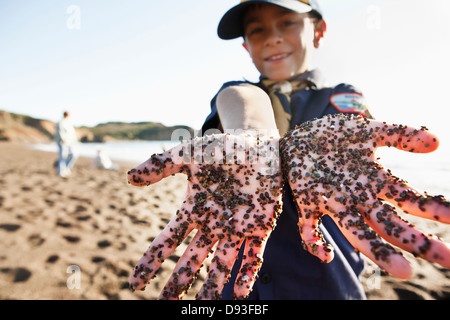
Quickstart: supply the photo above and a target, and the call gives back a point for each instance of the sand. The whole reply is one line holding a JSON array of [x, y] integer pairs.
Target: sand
[[79, 238]]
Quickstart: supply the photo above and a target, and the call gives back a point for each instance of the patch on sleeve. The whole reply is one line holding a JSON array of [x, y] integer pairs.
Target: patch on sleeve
[[349, 102]]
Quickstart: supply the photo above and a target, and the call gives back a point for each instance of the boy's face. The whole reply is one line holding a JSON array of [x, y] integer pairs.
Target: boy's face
[[281, 42]]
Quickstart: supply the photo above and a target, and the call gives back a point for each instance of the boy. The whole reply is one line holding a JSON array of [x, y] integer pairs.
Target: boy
[[280, 37], [236, 206]]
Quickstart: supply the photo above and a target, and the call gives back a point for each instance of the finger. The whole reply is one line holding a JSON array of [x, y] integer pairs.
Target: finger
[[161, 248], [364, 131], [398, 193], [162, 165], [403, 137], [219, 270], [309, 219], [251, 263], [388, 224], [187, 267], [368, 242], [313, 240]]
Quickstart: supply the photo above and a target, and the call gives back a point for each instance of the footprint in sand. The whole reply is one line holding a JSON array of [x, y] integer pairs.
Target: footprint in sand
[[80, 208], [10, 227], [84, 218], [104, 243], [63, 224], [49, 202], [36, 240], [72, 239], [97, 259], [52, 259], [17, 274]]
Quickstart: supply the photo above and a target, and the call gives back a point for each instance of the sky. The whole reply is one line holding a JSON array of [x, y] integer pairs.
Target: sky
[[162, 61]]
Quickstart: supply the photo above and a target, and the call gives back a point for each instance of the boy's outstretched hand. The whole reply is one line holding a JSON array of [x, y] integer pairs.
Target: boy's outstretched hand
[[331, 168], [234, 194]]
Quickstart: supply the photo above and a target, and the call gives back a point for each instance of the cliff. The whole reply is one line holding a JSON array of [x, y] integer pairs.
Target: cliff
[[21, 128], [25, 129], [130, 131]]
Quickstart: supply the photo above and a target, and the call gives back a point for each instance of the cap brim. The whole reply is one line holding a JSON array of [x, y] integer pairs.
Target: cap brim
[[231, 24]]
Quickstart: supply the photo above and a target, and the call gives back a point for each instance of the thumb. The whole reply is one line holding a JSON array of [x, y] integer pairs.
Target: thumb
[[159, 166]]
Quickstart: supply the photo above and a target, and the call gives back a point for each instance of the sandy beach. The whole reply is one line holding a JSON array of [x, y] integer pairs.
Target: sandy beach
[[79, 238]]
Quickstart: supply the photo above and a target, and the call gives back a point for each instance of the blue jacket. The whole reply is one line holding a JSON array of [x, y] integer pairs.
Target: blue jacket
[[288, 271]]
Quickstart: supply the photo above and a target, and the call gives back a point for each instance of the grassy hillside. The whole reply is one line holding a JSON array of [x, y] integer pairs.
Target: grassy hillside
[[134, 131], [23, 128]]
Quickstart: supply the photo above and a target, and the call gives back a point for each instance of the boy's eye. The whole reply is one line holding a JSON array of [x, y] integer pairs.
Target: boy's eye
[[254, 30], [288, 23]]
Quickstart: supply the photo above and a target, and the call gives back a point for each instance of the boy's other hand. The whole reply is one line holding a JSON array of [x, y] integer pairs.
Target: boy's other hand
[[331, 168], [234, 194]]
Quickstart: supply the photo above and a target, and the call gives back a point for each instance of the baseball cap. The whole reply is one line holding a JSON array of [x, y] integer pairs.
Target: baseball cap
[[230, 26]]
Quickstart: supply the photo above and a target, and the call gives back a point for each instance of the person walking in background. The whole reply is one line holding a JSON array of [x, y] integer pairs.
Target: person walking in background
[[66, 140]]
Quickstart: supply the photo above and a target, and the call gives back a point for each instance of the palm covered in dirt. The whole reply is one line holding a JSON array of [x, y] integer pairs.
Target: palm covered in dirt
[[331, 168], [234, 194]]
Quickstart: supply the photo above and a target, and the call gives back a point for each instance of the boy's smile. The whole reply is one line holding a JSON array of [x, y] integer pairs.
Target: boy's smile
[[279, 41]]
